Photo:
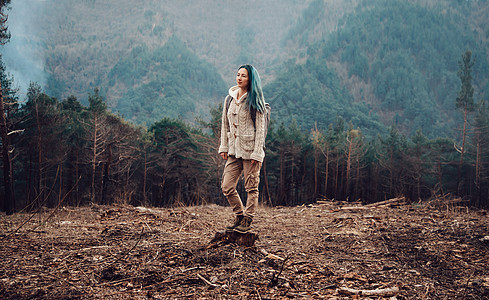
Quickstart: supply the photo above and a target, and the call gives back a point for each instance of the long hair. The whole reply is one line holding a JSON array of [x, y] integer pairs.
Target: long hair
[[255, 93]]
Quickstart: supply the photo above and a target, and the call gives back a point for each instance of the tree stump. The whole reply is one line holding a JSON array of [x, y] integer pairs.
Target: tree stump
[[227, 237]]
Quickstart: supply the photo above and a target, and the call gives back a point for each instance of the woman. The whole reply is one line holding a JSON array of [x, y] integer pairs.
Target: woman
[[242, 141]]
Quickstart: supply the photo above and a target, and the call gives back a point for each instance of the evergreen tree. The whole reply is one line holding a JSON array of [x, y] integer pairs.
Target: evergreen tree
[[175, 173], [73, 131], [4, 33], [97, 135], [41, 121], [393, 167]]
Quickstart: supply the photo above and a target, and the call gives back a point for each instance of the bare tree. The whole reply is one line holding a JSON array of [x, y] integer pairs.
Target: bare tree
[[354, 153], [96, 133], [122, 153]]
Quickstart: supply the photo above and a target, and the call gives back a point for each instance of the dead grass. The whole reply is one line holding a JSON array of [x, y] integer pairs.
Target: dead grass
[[316, 251]]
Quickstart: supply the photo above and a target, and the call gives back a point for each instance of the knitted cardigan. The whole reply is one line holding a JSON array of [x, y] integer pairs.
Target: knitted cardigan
[[239, 137]]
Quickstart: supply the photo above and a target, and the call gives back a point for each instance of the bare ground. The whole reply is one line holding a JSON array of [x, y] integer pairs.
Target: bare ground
[[327, 250]]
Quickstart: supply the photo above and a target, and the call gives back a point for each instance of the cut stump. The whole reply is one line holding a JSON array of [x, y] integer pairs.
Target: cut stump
[[227, 237]]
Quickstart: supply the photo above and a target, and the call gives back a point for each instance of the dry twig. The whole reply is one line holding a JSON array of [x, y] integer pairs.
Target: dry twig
[[387, 292]]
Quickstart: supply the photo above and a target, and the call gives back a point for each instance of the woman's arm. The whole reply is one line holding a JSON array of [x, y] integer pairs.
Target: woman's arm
[[258, 151], [224, 146]]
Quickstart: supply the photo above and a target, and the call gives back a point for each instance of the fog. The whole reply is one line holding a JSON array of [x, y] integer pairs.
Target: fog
[[23, 55], [76, 43]]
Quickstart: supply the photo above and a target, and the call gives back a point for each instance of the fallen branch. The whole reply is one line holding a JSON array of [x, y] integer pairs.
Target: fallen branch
[[386, 203], [393, 201], [270, 255], [387, 292], [185, 225], [190, 269], [275, 277], [173, 277], [207, 281], [354, 208]]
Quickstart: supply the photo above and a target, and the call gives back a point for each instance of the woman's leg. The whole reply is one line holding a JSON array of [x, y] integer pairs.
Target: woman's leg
[[252, 180], [230, 177]]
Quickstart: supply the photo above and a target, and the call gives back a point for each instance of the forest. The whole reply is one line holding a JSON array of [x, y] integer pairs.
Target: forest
[[361, 111], [62, 152]]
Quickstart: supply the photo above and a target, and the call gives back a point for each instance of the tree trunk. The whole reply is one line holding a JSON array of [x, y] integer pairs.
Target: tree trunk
[[459, 175], [326, 167], [29, 167], [439, 173], [478, 163], [265, 181], [315, 171], [61, 182], [94, 159], [348, 167], [356, 190], [282, 177], [8, 205], [77, 172], [336, 177], [39, 158], [106, 174], [145, 176]]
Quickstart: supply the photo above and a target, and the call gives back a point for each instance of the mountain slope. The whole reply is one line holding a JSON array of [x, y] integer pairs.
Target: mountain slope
[[169, 81], [85, 42], [375, 63], [399, 59]]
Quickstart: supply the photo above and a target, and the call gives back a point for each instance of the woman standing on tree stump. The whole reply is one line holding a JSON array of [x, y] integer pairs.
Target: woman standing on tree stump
[[242, 144]]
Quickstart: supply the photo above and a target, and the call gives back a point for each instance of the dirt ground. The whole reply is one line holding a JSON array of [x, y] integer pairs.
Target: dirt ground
[[327, 250]]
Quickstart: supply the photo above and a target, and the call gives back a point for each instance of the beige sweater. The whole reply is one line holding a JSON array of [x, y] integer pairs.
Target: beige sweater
[[238, 135]]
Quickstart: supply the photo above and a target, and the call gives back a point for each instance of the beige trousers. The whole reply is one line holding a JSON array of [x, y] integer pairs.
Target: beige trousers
[[232, 171]]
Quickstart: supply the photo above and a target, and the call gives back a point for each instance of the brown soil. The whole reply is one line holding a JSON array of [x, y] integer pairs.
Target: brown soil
[[317, 251]]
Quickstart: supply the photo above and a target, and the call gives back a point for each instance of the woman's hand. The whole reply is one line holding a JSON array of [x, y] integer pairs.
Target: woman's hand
[[254, 162], [224, 155]]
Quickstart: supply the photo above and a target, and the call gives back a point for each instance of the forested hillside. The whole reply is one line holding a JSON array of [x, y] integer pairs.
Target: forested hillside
[[374, 63], [87, 44], [396, 61], [169, 81]]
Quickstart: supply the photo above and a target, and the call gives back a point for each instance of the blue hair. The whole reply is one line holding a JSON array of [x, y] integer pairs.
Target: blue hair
[[255, 93]]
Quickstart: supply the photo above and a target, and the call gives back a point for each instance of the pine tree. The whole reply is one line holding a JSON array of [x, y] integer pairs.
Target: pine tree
[[41, 123]]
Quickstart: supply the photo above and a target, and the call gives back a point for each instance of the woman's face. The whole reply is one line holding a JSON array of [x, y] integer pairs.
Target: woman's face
[[242, 79]]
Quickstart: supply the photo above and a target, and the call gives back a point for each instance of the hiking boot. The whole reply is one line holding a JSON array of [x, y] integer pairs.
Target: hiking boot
[[244, 226], [237, 221]]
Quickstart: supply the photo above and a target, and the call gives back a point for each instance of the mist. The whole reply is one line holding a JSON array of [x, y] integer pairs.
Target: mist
[[24, 54]]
